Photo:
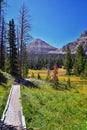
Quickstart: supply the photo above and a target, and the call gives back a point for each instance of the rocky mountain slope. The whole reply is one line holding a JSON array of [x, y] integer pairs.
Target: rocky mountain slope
[[80, 41], [40, 47]]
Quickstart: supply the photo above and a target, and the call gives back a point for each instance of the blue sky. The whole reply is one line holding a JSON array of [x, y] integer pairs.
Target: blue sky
[[57, 22]]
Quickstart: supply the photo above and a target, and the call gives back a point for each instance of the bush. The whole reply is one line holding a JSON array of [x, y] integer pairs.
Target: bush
[[48, 78], [56, 83], [68, 84], [38, 76]]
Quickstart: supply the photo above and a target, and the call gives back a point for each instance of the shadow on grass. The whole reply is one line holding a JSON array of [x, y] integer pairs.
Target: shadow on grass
[[3, 79], [27, 83]]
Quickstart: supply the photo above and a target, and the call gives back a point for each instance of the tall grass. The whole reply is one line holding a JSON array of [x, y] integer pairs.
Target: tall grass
[[48, 109], [4, 92], [6, 81], [43, 73]]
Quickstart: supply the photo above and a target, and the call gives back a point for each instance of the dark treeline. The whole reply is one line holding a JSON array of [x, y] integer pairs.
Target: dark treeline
[[74, 64], [42, 61]]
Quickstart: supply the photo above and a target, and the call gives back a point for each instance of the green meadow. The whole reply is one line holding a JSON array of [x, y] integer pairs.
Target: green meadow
[[48, 109]]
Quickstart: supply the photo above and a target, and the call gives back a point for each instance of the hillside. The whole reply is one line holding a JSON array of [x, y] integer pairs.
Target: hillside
[[40, 47], [82, 40]]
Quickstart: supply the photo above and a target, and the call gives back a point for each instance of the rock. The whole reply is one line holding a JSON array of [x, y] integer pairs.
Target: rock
[[82, 40]]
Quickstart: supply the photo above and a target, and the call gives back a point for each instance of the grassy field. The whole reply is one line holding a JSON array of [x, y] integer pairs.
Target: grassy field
[[48, 109], [43, 73]]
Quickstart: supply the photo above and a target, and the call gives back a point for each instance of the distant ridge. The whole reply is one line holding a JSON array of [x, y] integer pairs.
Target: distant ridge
[[82, 40], [39, 46]]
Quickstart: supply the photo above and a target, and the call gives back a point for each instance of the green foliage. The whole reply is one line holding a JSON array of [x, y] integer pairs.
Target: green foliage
[[25, 68], [68, 61], [2, 45], [4, 92], [42, 61], [56, 83], [48, 109], [48, 78], [6, 78], [7, 63], [79, 60], [6, 82], [3, 79], [12, 49], [85, 69], [68, 84]]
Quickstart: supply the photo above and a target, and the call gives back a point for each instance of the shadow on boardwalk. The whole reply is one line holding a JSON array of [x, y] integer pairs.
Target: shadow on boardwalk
[[3, 126]]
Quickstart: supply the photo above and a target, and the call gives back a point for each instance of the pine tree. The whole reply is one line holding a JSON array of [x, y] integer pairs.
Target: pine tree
[[3, 4], [79, 60], [12, 49], [85, 69], [7, 63], [68, 61], [2, 53], [25, 68]]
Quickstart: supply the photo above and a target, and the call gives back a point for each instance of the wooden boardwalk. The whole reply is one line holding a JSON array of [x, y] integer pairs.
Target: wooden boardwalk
[[13, 111]]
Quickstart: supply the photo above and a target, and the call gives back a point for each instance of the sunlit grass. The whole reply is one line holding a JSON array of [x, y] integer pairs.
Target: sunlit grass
[[4, 92], [49, 109], [5, 86], [43, 73]]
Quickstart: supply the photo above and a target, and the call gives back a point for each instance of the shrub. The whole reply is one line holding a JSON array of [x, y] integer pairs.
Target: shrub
[[48, 78], [38, 76], [68, 84], [56, 83]]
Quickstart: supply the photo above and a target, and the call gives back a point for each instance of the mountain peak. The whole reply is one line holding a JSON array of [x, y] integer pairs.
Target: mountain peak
[[39, 46], [84, 34]]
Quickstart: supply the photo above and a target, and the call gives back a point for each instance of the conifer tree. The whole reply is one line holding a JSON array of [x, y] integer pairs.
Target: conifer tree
[[13, 48], [85, 69], [79, 60], [2, 53], [3, 5], [68, 61]]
